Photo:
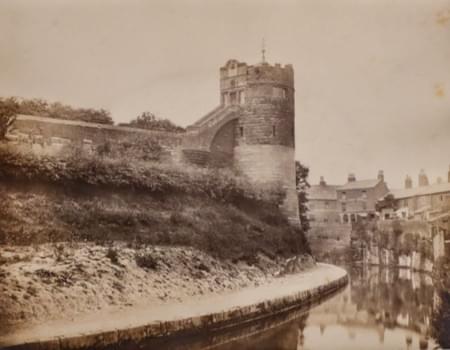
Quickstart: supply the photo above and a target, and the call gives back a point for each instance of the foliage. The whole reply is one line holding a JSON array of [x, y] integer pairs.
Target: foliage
[[118, 173], [146, 261], [388, 202], [441, 319], [140, 149], [39, 107], [112, 255], [301, 181], [150, 121], [238, 231], [8, 110]]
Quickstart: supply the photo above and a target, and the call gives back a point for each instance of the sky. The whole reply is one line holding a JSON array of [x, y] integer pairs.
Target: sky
[[372, 77]]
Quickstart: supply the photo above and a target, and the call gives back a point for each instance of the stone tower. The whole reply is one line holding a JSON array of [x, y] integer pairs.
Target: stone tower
[[265, 130], [253, 129]]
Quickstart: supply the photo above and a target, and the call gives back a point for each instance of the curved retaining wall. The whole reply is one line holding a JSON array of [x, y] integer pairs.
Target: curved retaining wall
[[191, 325]]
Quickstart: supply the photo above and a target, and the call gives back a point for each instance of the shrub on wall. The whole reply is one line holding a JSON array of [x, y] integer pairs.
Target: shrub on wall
[[150, 121], [39, 107], [140, 149]]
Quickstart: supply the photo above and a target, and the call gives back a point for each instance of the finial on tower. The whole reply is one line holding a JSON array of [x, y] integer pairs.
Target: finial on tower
[[263, 50]]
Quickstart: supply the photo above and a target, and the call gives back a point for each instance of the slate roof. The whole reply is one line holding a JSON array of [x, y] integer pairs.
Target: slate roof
[[421, 191], [359, 185], [322, 192]]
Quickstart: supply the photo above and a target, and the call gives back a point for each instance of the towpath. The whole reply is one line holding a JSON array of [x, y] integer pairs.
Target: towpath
[[137, 316]]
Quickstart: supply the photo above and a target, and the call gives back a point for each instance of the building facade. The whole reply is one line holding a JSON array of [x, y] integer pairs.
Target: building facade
[[359, 197], [322, 204], [424, 201]]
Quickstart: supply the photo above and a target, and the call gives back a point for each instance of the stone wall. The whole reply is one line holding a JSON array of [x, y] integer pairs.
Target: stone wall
[[271, 164], [50, 136]]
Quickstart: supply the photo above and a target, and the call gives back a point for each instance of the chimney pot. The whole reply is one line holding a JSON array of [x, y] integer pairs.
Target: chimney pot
[[408, 182], [381, 175], [423, 178], [351, 177], [322, 181]]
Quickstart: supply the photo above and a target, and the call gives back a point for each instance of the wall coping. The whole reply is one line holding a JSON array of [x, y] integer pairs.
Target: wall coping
[[22, 117]]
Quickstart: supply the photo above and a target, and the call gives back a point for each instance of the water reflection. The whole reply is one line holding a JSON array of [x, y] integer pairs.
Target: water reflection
[[379, 309]]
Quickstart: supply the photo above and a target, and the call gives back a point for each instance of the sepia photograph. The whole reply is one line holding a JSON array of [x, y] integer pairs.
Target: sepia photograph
[[224, 174]]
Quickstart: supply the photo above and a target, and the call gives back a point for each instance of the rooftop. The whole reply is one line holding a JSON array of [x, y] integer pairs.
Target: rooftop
[[361, 184], [421, 191]]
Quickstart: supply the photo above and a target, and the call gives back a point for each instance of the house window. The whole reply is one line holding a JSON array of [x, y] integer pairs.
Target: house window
[[344, 196], [364, 194], [241, 131], [327, 205], [345, 218], [344, 206], [274, 130]]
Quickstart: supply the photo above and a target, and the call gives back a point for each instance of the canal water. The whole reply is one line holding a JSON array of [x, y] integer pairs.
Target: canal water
[[379, 309]]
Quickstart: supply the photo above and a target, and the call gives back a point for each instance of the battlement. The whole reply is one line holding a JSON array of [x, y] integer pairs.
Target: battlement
[[240, 74]]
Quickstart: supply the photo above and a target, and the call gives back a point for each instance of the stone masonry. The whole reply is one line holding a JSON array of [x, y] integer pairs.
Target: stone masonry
[[253, 128]]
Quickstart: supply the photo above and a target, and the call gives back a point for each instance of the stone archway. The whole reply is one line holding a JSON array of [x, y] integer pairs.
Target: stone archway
[[223, 143]]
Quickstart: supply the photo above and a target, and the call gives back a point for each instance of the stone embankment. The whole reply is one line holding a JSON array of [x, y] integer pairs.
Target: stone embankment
[[105, 330]]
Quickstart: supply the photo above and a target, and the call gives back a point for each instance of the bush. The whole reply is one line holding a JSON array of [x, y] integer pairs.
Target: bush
[[141, 149], [155, 177], [146, 261], [112, 255]]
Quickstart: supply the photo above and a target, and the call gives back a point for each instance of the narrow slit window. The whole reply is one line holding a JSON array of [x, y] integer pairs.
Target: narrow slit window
[[241, 131], [274, 130]]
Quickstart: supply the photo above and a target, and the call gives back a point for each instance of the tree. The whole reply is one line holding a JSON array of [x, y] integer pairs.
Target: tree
[[150, 121], [301, 182], [388, 202], [8, 109]]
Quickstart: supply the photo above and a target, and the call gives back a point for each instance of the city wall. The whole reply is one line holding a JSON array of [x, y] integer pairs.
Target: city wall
[[49, 136]]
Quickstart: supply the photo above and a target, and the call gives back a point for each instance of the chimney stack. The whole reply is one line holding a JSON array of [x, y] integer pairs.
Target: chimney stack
[[381, 175], [351, 177], [423, 179], [408, 182], [322, 181]]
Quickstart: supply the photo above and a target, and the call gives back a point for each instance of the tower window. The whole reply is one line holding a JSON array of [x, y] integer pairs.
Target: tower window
[[274, 130], [241, 131], [233, 98]]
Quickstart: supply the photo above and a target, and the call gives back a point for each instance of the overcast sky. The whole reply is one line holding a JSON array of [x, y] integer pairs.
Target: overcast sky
[[372, 76]]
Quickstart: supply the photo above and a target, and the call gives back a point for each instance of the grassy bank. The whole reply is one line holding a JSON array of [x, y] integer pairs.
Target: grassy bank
[[101, 200]]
